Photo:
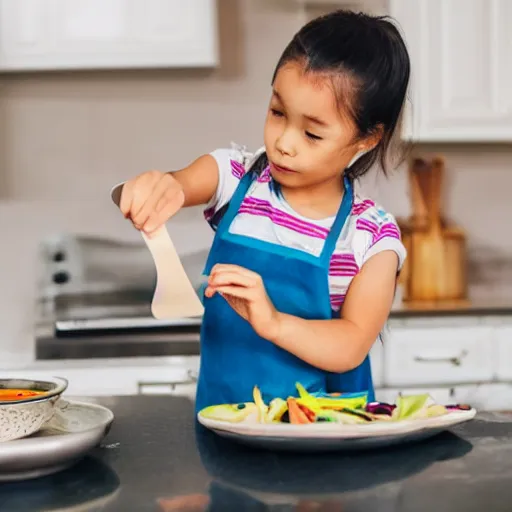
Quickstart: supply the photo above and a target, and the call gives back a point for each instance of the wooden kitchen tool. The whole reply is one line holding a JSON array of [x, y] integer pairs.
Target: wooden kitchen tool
[[174, 295], [437, 254]]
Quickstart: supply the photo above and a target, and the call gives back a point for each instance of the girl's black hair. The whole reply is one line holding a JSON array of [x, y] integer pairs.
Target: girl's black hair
[[367, 60]]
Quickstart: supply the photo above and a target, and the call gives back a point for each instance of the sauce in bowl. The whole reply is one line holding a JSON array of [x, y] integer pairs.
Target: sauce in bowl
[[12, 395]]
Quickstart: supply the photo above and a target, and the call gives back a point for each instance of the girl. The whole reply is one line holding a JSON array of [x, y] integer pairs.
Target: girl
[[302, 271]]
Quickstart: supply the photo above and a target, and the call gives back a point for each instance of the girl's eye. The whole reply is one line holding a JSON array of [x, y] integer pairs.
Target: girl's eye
[[276, 112], [312, 136]]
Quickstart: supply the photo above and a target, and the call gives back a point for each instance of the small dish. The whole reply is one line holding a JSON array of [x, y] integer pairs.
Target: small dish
[[74, 430], [20, 417]]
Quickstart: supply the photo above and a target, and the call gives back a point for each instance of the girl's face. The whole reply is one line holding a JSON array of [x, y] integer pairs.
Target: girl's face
[[309, 142]]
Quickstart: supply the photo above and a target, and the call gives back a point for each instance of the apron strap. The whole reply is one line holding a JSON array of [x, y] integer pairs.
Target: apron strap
[[339, 222], [235, 202]]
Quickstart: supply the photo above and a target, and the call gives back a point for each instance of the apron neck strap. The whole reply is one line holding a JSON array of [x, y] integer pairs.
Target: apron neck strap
[[339, 222], [235, 202]]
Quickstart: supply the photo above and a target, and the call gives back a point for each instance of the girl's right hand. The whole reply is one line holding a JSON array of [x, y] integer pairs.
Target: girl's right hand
[[150, 199]]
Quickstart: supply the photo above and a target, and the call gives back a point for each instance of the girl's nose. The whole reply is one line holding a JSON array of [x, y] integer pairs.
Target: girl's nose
[[285, 144]]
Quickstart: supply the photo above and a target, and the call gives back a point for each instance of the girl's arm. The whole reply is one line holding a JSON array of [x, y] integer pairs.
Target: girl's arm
[[337, 345], [199, 180]]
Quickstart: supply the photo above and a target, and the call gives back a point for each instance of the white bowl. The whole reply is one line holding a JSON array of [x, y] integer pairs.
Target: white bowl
[[21, 418]]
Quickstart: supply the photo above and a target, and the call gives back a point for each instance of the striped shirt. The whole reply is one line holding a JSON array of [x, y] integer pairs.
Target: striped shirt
[[265, 215]]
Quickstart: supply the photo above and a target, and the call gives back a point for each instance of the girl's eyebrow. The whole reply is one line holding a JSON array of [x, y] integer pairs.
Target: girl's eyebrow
[[312, 119]]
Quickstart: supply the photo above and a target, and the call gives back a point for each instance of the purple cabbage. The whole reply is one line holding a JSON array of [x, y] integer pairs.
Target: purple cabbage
[[380, 408]]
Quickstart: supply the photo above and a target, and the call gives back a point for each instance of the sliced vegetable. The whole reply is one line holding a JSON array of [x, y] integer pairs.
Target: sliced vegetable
[[339, 417], [436, 410], [260, 404], [380, 409], [310, 414], [276, 410], [348, 409], [357, 412], [323, 400], [232, 413], [412, 406], [297, 415]]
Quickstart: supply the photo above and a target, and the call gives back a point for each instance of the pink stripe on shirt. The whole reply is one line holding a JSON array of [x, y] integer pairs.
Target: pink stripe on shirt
[[237, 169], [281, 220], [361, 207], [343, 265], [367, 225], [264, 208], [337, 300], [265, 176], [388, 230]]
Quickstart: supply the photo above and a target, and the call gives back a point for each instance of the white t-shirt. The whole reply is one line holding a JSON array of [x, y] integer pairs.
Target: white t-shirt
[[265, 215]]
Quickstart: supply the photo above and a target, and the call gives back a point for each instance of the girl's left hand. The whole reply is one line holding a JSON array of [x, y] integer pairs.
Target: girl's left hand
[[245, 293]]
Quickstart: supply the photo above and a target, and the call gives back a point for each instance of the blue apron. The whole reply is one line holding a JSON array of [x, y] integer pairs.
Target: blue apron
[[233, 357]]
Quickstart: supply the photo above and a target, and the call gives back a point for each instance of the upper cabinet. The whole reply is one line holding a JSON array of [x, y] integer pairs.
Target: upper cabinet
[[107, 34], [461, 84]]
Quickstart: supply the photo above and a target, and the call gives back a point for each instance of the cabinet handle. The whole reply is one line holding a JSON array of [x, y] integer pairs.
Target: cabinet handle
[[455, 361]]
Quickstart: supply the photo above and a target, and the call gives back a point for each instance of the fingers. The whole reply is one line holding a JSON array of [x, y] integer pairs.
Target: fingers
[[150, 199], [233, 291], [235, 281], [221, 268], [228, 277], [159, 218]]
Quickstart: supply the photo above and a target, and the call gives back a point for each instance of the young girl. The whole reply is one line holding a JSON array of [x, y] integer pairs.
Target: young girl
[[302, 271]]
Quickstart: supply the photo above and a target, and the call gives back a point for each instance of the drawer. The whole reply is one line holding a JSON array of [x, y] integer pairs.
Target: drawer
[[504, 352], [438, 356]]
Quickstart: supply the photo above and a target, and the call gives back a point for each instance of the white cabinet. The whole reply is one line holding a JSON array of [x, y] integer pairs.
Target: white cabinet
[[504, 352], [377, 363], [107, 34], [417, 356], [461, 69]]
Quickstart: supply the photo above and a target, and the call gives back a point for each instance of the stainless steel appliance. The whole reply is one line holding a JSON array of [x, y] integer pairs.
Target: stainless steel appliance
[[90, 285]]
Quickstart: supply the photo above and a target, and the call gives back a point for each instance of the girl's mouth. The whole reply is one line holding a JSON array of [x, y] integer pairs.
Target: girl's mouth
[[280, 169]]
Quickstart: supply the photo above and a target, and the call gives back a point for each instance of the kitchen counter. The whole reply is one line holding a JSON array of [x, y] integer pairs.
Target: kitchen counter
[[156, 458], [471, 307]]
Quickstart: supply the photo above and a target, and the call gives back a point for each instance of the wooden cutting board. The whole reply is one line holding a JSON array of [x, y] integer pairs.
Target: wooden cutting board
[[437, 254]]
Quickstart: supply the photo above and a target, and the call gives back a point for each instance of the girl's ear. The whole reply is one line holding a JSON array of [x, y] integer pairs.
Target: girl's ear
[[373, 139], [368, 143]]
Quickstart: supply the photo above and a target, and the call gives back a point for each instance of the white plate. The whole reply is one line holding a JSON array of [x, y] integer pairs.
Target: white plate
[[332, 436], [73, 431]]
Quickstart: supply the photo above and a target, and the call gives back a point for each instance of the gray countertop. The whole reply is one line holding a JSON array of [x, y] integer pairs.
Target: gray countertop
[[156, 458]]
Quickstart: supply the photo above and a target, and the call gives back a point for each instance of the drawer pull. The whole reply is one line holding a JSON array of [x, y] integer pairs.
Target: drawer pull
[[455, 361]]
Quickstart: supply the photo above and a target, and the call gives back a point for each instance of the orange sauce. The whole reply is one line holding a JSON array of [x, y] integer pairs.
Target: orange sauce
[[18, 394]]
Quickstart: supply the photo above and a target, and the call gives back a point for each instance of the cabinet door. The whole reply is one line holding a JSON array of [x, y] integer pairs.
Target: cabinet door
[[461, 69], [106, 34]]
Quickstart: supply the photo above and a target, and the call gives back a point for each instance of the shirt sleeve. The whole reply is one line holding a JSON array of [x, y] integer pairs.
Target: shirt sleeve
[[233, 163], [386, 237]]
